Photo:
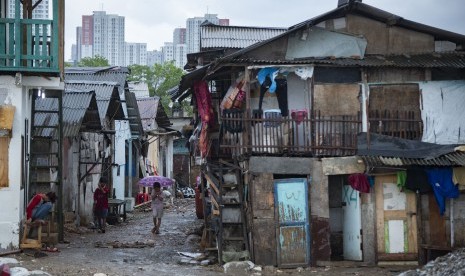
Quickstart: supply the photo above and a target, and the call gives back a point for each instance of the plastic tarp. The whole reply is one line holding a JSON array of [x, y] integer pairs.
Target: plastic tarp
[[443, 112]]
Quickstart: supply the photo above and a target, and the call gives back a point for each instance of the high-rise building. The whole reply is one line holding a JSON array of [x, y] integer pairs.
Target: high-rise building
[[73, 53], [108, 37], [180, 55], [193, 30], [168, 52], [179, 47], [154, 57], [86, 37], [179, 36], [136, 53], [42, 11]]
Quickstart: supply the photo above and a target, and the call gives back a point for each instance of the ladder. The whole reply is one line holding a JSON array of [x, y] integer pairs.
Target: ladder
[[228, 220], [45, 149]]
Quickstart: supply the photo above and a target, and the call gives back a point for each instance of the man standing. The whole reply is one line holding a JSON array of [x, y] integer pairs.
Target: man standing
[[101, 204], [157, 207]]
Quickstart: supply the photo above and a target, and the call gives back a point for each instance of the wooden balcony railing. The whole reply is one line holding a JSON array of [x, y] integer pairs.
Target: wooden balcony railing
[[29, 45], [400, 124], [300, 134]]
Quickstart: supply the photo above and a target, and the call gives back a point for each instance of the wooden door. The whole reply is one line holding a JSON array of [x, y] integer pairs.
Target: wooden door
[[291, 207], [396, 221]]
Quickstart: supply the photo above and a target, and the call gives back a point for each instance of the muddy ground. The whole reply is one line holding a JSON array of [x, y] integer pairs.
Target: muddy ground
[[129, 248]]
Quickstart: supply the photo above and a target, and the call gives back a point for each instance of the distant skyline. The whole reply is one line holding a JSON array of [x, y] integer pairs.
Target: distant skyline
[[153, 21]]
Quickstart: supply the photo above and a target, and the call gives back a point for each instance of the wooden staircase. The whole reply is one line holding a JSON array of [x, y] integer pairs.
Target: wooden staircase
[[45, 156], [227, 222]]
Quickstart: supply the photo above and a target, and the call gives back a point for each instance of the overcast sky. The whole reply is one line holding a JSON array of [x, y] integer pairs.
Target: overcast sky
[[153, 21]]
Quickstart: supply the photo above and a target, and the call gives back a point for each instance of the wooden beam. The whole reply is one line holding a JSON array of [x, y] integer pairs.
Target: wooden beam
[[210, 180]]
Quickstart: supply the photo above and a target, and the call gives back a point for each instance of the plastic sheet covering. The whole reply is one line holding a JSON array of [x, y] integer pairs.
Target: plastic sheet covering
[[443, 112]]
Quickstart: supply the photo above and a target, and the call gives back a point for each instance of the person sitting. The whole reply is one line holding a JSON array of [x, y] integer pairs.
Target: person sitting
[[39, 206]]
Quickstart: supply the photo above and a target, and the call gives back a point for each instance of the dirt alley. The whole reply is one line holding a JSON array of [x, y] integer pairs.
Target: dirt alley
[[129, 248]]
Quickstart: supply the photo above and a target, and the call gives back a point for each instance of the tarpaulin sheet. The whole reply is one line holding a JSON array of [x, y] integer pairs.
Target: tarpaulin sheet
[[442, 111]]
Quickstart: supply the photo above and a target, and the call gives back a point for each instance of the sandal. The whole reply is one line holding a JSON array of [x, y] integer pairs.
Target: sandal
[[51, 249]]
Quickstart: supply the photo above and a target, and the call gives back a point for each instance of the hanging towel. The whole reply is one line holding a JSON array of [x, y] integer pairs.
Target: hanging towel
[[359, 182], [417, 180], [441, 181], [401, 178], [458, 177]]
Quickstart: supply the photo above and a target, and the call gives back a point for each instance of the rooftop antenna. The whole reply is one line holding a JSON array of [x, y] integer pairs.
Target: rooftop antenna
[[101, 4], [207, 9]]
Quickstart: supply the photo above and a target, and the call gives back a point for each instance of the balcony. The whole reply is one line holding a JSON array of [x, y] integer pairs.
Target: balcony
[[29, 45], [307, 135], [300, 134]]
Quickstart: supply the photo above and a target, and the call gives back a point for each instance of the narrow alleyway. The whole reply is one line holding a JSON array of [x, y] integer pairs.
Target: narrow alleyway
[[130, 249]]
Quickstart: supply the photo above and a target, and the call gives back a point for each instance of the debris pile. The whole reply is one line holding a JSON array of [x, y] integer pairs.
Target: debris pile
[[450, 264]]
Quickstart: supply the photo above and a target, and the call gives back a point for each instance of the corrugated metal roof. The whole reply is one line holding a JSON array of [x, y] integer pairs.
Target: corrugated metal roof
[[357, 8], [133, 114], [105, 92], [151, 109], [451, 159], [139, 88], [428, 60], [79, 108], [106, 74], [77, 105], [216, 36]]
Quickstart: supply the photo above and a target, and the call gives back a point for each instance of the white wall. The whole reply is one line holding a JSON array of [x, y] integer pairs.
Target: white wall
[[122, 134], [12, 206], [12, 197]]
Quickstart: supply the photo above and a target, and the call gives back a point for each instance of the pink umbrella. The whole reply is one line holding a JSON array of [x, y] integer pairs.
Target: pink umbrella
[[149, 180]]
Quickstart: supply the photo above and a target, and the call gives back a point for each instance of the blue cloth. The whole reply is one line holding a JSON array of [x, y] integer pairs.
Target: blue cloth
[[268, 72], [441, 181], [41, 211]]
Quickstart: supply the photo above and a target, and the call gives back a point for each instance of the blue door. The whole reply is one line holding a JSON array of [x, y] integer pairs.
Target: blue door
[[293, 238]]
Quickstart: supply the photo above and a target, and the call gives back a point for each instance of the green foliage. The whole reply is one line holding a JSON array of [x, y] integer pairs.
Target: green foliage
[[68, 64], [97, 61], [159, 78]]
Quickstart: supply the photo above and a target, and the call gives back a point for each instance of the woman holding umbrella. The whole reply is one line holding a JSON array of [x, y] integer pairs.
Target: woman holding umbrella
[[157, 207]]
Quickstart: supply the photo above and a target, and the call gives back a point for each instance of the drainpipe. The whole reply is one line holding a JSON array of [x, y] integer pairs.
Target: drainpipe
[[130, 168], [78, 208], [452, 238]]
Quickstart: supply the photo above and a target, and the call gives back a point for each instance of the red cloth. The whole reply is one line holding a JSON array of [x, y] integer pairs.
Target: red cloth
[[35, 201], [204, 102], [359, 182], [299, 115], [101, 198]]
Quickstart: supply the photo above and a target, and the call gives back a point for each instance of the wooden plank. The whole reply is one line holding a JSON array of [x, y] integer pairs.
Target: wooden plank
[[437, 224], [215, 203], [4, 145], [380, 213], [397, 256], [211, 180], [412, 223]]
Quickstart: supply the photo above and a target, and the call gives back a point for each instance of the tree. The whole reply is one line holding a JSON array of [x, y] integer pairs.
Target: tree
[[96, 61], [159, 78]]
